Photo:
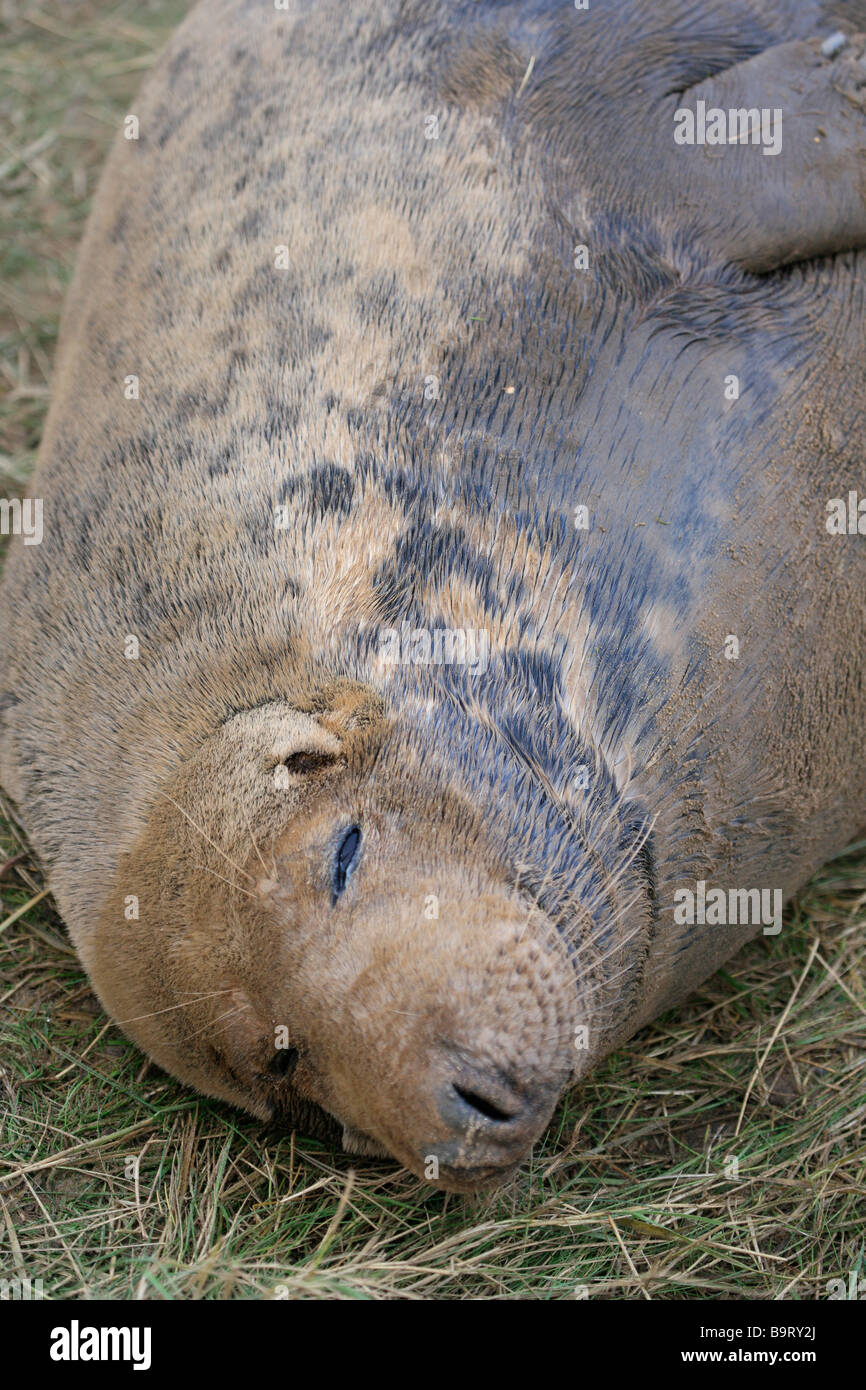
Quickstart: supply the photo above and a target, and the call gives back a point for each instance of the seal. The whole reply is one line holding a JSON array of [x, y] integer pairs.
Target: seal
[[442, 652]]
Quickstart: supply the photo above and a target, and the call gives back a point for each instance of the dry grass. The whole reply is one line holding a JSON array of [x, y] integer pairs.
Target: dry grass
[[117, 1182]]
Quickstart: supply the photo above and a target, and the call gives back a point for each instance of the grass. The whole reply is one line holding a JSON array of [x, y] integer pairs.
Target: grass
[[720, 1156]]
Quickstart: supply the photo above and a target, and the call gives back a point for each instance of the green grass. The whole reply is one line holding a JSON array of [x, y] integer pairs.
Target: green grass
[[631, 1195]]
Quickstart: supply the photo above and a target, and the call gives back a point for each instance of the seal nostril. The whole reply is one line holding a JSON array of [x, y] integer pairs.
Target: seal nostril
[[483, 1105]]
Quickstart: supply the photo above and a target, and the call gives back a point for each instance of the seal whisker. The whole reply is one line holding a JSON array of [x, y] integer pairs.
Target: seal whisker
[[185, 1004], [625, 863], [243, 1007], [611, 925], [205, 836], [207, 870], [255, 846]]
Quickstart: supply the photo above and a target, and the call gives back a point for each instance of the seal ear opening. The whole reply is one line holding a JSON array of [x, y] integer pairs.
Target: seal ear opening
[[309, 760], [303, 746], [315, 740]]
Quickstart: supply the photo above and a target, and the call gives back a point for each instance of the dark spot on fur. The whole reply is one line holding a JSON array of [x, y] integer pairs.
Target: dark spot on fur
[[219, 464], [250, 225], [300, 337], [118, 229], [177, 65], [327, 491], [258, 288], [481, 72], [167, 128], [281, 421], [436, 553]]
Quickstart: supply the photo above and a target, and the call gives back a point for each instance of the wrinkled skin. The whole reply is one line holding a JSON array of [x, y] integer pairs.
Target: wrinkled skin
[[396, 424]]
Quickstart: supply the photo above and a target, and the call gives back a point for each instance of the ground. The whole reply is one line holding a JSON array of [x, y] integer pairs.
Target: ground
[[721, 1155]]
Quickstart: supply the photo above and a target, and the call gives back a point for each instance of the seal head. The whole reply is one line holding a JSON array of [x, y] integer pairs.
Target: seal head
[[311, 926]]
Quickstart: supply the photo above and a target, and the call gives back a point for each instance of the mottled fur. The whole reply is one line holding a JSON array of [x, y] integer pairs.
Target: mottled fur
[[304, 389]]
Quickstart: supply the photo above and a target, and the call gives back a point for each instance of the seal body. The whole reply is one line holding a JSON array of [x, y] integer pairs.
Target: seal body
[[438, 624]]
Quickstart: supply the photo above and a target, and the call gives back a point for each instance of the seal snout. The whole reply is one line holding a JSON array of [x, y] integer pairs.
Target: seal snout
[[452, 1046]]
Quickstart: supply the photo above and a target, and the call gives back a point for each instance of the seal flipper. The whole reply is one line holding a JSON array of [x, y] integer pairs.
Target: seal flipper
[[808, 198]]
